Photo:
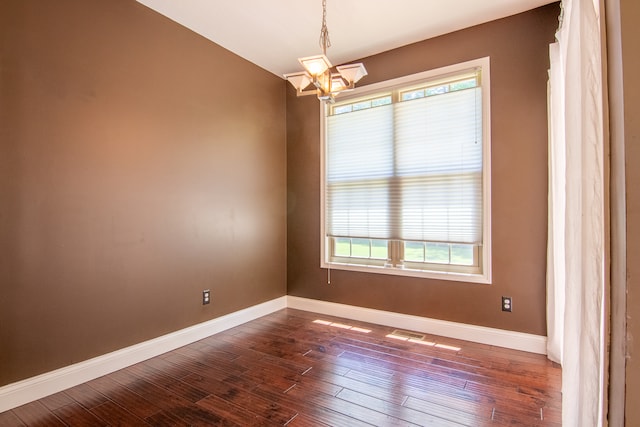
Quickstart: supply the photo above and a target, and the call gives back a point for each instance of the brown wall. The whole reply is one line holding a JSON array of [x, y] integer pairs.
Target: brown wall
[[518, 47], [139, 165], [630, 16]]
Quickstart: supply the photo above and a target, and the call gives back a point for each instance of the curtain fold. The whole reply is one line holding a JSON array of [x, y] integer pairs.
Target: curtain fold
[[555, 223], [576, 246]]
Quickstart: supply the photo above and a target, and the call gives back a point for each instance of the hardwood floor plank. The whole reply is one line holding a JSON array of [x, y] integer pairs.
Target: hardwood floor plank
[[150, 374], [201, 417], [75, 415], [212, 359], [136, 404], [304, 421], [195, 367], [401, 380], [56, 401], [506, 396], [511, 416], [280, 379], [450, 399], [434, 416], [200, 372], [166, 397], [116, 415], [86, 396], [171, 369], [377, 359], [176, 410], [327, 363], [234, 413], [9, 419], [186, 392], [315, 412], [36, 414], [447, 413], [393, 394], [166, 419], [331, 388], [506, 377], [355, 411], [242, 398]]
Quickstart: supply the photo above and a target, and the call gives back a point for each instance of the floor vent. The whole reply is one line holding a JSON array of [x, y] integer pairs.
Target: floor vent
[[407, 335]]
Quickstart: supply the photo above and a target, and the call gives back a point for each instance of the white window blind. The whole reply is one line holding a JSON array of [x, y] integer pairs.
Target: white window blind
[[438, 143], [360, 173], [410, 170]]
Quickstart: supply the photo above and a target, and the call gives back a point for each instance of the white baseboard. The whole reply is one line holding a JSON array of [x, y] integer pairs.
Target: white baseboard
[[19, 393], [480, 334]]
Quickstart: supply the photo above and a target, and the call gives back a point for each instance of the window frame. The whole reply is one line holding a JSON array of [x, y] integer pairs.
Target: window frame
[[403, 85]]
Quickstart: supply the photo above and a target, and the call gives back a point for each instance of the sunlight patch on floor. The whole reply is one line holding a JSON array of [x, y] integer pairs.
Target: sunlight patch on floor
[[342, 326], [416, 338]]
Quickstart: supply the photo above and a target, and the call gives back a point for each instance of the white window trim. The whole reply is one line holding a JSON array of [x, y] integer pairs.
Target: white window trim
[[486, 276]]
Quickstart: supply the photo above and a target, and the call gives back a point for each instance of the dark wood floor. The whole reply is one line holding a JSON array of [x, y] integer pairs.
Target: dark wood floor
[[296, 368]]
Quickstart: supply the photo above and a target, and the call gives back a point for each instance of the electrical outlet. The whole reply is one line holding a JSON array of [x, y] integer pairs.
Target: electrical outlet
[[507, 304], [206, 296]]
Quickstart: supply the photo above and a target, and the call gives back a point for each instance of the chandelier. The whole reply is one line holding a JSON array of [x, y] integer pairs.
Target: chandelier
[[325, 82]]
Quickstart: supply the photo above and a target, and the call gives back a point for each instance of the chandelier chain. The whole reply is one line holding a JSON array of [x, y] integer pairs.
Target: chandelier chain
[[326, 82], [324, 31]]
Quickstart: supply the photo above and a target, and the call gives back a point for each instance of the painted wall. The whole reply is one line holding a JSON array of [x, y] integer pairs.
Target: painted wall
[[518, 47], [630, 16], [139, 164]]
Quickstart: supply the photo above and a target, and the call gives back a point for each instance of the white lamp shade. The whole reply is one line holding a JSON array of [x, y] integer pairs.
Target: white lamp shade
[[315, 65], [299, 80], [338, 83], [352, 72]]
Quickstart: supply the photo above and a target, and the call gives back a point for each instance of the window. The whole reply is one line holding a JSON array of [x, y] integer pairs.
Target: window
[[406, 176]]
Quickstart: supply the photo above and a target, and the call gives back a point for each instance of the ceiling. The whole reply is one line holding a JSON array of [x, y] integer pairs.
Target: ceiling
[[273, 34]]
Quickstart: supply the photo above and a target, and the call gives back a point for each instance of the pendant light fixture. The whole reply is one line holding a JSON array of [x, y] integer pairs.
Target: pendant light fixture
[[325, 82]]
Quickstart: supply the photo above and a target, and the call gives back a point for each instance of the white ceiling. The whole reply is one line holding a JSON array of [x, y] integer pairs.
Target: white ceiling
[[273, 34]]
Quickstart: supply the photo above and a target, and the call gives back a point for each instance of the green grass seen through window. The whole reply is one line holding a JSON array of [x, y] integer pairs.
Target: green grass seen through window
[[427, 252]]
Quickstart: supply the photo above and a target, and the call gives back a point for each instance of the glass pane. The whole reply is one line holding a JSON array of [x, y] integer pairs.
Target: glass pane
[[342, 109], [464, 84], [362, 105], [414, 251], [462, 254], [360, 248], [381, 101], [415, 94], [342, 247], [379, 249], [437, 253], [438, 90]]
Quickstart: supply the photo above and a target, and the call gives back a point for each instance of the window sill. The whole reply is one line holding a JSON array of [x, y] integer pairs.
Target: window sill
[[409, 272]]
